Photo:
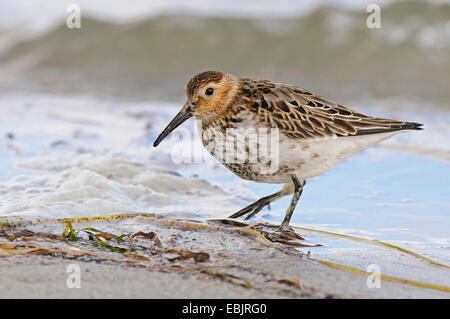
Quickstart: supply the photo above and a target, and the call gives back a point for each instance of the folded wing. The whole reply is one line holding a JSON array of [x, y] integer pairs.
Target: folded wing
[[303, 115]]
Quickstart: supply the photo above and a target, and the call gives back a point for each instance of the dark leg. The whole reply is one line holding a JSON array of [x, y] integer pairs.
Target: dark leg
[[298, 189], [254, 208]]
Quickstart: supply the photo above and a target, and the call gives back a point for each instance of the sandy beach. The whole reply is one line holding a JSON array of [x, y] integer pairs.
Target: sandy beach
[[79, 169], [85, 196], [178, 260]]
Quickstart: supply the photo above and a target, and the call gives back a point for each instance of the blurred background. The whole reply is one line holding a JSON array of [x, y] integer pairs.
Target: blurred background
[[149, 49], [80, 109]]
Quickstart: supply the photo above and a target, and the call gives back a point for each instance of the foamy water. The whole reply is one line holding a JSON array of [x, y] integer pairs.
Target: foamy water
[[79, 157]]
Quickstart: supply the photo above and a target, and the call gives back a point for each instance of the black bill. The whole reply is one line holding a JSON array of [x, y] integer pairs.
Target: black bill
[[183, 115]]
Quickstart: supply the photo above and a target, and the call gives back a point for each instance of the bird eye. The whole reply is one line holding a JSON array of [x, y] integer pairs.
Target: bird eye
[[209, 91]]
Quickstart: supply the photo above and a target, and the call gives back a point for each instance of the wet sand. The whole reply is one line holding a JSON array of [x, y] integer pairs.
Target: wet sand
[[233, 263]]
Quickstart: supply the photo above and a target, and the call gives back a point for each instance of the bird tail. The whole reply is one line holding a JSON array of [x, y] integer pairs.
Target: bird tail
[[405, 126]]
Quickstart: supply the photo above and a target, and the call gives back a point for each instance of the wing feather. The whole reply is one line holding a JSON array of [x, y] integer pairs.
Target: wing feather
[[301, 114]]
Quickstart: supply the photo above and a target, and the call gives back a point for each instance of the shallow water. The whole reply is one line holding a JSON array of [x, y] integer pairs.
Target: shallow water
[[387, 195], [72, 157], [380, 194]]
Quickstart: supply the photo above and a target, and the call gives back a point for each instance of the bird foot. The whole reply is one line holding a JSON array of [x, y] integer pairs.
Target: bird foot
[[252, 209], [283, 236]]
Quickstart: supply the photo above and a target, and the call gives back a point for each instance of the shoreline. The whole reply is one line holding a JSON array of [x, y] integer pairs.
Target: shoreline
[[179, 260]]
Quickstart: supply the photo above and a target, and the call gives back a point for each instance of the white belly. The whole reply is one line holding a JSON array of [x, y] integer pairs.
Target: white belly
[[316, 157], [276, 164]]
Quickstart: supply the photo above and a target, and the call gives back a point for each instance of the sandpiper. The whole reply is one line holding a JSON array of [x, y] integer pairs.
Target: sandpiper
[[314, 134]]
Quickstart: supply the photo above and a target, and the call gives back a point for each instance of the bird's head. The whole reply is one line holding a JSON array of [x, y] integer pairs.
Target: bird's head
[[209, 94]]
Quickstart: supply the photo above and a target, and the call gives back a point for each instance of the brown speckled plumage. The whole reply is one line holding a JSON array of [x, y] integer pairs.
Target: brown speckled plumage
[[302, 115], [314, 133], [202, 78]]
